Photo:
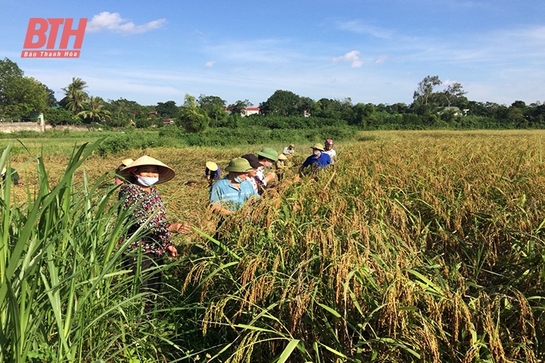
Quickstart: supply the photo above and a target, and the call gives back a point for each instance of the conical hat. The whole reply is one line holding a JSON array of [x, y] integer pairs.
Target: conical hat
[[165, 172], [211, 165], [127, 161]]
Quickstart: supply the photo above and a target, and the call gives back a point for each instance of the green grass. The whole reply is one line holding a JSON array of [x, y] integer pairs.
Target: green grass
[[63, 293]]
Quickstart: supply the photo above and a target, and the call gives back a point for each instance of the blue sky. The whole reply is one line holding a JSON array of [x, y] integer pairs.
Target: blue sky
[[370, 51]]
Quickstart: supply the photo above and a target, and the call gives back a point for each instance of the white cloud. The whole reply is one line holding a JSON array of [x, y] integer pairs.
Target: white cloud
[[353, 57], [114, 22], [380, 59], [262, 51], [356, 26], [209, 64], [449, 82]]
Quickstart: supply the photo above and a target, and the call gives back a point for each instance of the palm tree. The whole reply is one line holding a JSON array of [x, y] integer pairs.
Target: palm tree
[[95, 110], [75, 97]]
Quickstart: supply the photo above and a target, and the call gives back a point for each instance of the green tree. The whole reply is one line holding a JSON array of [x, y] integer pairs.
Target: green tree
[[517, 114], [329, 108], [124, 111], [454, 94], [9, 69], [282, 103], [19, 95], [75, 97], [24, 95], [95, 112], [51, 100], [425, 89], [536, 114], [9, 73], [347, 109], [239, 107], [399, 107], [60, 116], [192, 117], [234, 121], [363, 114], [306, 105], [142, 123], [167, 109], [214, 107]]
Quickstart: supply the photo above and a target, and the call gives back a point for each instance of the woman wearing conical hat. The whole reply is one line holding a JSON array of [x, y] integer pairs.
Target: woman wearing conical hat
[[148, 214]]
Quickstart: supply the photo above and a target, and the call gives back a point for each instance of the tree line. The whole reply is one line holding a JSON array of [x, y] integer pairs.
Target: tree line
[[435, 105]]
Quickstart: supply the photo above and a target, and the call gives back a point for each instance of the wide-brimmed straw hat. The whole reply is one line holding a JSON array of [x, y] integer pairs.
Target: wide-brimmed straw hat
[[318, 146], [212, 166], [239, 165], [165, 172], [282, 157]]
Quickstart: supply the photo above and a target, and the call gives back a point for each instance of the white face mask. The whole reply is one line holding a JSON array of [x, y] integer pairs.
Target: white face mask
[[317, 153], [147, 181]]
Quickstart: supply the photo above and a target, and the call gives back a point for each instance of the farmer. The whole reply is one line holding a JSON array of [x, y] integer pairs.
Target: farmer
[[317, 161], [212, 172], [267, 157], [123, 164], [229, 194], [252, 178], [281, 166], [146, 215], [14, 175], [328, 149], [289, 150]]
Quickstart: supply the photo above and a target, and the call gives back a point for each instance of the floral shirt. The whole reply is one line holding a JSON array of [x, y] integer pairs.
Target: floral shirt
[[148, 210]]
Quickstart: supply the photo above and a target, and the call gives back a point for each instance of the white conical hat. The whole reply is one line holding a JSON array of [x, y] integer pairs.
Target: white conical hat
[[127, 161], [165, 172], [211, 165]]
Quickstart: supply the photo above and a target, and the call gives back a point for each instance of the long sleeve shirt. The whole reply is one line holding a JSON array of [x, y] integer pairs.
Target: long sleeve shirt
[[149, 212]]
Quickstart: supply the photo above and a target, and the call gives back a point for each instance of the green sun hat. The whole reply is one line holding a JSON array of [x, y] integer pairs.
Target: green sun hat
[[269, 153], [239, 165], [318, 146]]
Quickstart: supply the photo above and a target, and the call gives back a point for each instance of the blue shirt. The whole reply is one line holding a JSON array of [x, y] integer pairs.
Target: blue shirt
[[214, 175], [319, 162], [225, 194]]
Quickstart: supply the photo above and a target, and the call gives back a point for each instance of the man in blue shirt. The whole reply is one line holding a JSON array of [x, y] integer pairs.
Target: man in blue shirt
[[317, 161], [229, 194]]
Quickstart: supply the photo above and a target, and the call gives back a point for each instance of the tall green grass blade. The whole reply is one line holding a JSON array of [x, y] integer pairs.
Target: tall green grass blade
[[286, 353]]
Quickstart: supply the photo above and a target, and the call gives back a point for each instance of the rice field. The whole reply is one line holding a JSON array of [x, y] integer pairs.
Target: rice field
[[415, 247]]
